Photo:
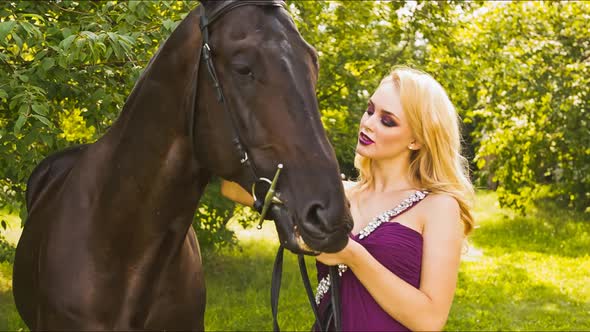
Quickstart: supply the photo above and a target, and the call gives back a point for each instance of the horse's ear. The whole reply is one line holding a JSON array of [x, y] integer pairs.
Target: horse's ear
[[209, 4]]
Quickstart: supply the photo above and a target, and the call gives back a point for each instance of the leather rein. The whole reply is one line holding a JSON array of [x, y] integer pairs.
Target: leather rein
[[270, 198]]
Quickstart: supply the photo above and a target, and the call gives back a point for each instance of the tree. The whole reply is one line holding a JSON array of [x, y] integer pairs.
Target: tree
[[66, 68], [520, 71]]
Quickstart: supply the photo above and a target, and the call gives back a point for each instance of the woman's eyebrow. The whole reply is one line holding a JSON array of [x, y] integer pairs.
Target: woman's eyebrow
[[384, 110], [388, 112]]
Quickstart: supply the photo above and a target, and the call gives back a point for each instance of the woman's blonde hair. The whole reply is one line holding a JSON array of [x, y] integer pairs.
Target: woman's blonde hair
[[438, 165]]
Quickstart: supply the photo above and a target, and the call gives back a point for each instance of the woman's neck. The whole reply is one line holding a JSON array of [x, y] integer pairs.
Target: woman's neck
[[391, 175]]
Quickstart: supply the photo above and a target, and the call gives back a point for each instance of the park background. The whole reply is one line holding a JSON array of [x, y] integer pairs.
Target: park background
[[518, 73]]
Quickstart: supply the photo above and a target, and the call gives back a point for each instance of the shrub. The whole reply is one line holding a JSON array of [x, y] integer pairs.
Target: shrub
[[212, 216]]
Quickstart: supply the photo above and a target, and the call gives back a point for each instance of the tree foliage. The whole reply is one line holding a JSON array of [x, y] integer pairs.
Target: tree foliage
[[521, 70], [358, 43], [66, 68]]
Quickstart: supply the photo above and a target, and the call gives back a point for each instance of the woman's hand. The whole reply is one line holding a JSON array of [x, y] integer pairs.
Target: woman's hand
[[344, 256]]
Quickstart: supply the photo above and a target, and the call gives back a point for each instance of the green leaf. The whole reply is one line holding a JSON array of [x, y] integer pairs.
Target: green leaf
[[62, 62], [5, 28], [40, 109], [19, 123], [80, 43], [132, 5], [89, 34], [65, 44], [13, 103], [66, 32], [24, 109], [168, 24], [118, 51], [40, 55], [108, 53], [47, 63], [37, 16], [23, 214], [43, 119], [3, 94], [18, 40], [100, 46], [3, 223], [130, 19], [47, 139], [31, 29], [31, 136]]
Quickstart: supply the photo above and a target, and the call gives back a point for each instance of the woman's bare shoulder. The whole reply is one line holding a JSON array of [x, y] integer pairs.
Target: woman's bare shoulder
[[442, 201], [440, 208]]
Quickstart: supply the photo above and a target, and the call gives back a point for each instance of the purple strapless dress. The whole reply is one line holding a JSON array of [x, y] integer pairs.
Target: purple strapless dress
[[398, 248]]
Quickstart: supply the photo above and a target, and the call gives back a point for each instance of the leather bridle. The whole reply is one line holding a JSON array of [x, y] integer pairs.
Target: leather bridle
[[262, 205]]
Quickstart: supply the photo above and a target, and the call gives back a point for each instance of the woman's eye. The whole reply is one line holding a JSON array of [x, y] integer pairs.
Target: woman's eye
[[388, 122], [370, 109]]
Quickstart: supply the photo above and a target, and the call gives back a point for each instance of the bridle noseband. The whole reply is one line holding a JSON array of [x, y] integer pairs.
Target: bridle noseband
[[271, 196]]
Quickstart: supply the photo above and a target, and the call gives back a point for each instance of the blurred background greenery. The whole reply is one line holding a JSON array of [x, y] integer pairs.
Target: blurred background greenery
[[518, 73]]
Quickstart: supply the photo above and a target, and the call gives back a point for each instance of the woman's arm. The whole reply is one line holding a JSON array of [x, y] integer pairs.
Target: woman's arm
[[236, 193], [427, 308]]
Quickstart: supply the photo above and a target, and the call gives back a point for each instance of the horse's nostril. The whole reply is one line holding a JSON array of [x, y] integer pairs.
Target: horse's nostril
[[325, 227], [316, 216]]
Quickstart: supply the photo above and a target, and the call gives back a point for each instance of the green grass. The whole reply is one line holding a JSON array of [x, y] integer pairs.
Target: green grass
[[9, 318], [238, 286], [520, 273], [534, 273]]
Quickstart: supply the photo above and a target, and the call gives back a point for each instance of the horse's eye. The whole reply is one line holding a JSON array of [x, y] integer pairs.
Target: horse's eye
[[243, 70]]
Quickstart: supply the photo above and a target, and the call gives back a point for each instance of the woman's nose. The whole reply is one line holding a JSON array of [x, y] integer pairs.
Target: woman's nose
[[368, 123]]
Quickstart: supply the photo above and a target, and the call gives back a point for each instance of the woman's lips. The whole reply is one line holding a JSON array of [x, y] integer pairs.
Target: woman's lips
[[365, 140]]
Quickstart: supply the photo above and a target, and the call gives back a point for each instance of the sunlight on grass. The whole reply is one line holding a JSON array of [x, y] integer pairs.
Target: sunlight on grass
[[13, 229], [534, 274], [9, 317], [238, 285]]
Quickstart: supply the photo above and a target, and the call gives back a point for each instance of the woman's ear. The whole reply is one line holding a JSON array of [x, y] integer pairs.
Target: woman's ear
[[414, 145]]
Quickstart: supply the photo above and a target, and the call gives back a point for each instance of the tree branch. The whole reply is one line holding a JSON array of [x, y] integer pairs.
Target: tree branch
[[67, 10]]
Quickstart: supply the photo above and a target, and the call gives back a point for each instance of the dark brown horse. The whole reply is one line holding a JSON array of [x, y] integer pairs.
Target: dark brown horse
[[108, 243]]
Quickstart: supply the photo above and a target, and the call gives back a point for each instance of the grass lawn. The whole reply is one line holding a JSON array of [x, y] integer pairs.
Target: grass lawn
[[533, 274], [9, 318], [520, 273]]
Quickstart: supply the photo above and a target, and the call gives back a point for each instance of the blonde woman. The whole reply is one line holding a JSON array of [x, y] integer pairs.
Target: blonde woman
[[411, 208]]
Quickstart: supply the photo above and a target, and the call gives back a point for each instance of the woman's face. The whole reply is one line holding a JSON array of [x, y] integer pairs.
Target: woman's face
[[384, 133]]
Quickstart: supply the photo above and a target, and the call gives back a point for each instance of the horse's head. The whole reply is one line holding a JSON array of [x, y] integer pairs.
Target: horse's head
[[268, 75]]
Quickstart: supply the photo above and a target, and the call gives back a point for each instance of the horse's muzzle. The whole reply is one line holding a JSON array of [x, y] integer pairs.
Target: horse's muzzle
[[291, 237]]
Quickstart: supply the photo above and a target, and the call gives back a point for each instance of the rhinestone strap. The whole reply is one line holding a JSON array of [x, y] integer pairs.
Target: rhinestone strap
[[324, 284]]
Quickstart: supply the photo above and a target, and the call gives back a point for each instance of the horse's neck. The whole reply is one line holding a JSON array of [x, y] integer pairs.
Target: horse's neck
[[147, 157]]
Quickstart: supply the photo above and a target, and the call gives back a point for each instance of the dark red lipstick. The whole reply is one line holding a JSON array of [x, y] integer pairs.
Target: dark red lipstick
[[365, 140]]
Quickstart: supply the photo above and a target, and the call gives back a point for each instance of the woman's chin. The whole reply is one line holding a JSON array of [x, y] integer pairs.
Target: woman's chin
[[362, 149]]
